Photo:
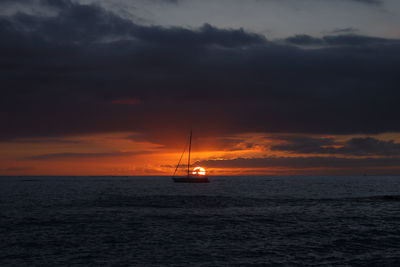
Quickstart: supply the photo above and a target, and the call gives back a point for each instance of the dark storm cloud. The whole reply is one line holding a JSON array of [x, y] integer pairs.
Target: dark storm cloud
[[64, 75], [77, 24], [356, 146], [82, 24]]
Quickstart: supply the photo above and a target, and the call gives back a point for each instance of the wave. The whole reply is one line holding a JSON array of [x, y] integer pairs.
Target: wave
[[386, 197], [200, 201], [163, 201]]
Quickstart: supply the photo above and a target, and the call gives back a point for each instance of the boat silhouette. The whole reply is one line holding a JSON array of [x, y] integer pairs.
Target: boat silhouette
[[197, 176]]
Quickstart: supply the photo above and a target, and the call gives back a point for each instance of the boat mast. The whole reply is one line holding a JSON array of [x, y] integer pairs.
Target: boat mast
[[190, 146]]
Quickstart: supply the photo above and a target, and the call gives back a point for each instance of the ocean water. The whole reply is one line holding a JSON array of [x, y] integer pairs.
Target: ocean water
[[232, 221]]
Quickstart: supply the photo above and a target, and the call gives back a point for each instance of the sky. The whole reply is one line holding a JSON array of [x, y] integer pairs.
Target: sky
[[269, 87]]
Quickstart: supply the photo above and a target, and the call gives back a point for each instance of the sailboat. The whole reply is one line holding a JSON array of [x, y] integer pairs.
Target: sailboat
[[198, 175]]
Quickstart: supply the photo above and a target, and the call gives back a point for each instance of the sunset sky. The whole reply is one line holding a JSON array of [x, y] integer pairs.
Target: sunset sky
[[273, 87]]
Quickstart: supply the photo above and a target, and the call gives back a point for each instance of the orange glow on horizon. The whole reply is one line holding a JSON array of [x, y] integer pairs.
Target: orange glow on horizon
[[129, 154]]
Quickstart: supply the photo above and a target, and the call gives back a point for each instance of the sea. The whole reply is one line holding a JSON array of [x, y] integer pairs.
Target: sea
[[232, 221]]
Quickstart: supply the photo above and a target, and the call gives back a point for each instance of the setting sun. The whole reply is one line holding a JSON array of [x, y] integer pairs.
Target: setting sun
[[199, 171]]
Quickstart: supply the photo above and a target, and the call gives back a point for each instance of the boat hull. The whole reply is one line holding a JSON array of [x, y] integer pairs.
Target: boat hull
[[191, 179]]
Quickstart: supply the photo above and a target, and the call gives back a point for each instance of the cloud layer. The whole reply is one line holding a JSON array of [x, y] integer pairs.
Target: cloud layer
[[63, 74], [355, 146]]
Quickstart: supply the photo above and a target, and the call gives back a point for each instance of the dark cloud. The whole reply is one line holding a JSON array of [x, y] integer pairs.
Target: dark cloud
[[126, 101], [339, 40], [371, 2], [352, 39], [63, 75], [63, 3], [356, 146], [167, 1], [58, 4], [344, 30], [304, 39], [304, 162], [234, 144], [368, 2], [371, 146], [305, 145], [206, 35]]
